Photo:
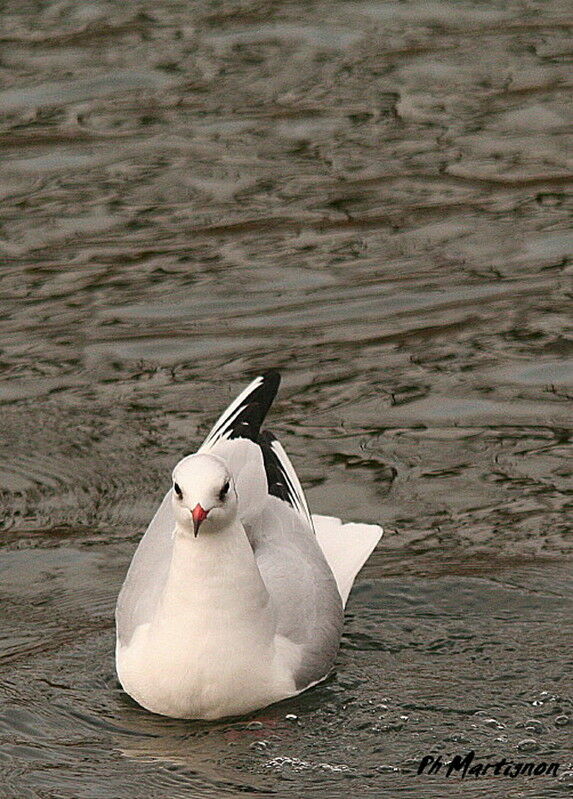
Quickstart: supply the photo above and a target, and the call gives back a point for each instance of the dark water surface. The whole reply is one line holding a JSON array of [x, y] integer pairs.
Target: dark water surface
[[373, 197]]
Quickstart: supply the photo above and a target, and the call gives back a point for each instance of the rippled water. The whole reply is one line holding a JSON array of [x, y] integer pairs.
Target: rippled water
[[372, 197]]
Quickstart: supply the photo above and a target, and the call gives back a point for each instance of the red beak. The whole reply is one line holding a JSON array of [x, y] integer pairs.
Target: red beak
[[199, 516]]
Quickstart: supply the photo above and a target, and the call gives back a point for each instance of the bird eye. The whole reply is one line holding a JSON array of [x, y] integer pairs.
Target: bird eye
[[177, 490], [223, 491]]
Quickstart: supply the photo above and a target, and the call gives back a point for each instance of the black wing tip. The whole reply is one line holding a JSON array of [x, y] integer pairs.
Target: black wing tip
[[280, 484], [251, 414], [265, 393], [266, 437], [272, 377], [276, 482]]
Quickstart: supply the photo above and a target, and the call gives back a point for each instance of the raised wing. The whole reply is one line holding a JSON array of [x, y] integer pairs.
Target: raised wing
[[244, 416], [281, 477]]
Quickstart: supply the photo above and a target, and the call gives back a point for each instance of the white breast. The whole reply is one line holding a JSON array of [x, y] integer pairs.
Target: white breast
[[210, 677], [211, 649]]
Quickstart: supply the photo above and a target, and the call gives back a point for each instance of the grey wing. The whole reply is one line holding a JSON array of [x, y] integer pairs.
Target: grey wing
[[147, 573], [293, 567], [302, 587]]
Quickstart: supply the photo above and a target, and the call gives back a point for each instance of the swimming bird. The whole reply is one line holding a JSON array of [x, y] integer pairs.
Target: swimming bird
[[235, 595]]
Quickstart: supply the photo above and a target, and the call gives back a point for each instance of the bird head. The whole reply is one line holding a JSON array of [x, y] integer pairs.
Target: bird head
[[203, 495]]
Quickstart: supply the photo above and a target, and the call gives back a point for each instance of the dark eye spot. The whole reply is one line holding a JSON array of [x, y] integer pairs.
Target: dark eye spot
[[223, 491], [177, 490]]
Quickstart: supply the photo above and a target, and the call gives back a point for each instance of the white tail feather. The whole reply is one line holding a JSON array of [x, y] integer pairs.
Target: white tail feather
[[346, 548]]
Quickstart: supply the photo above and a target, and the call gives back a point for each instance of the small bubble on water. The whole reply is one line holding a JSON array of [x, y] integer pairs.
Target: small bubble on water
[[291, 717], [294, 763], [494, 723], [390, 727], [528, 745], [254, 725], [336, 769], [533, 725], [259, 746], [562, 721]]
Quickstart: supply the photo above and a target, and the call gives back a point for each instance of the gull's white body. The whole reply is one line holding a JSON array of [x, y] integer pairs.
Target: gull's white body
[[250, 610]]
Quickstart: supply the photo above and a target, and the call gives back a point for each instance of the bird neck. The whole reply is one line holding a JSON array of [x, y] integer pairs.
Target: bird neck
[[215, 574]]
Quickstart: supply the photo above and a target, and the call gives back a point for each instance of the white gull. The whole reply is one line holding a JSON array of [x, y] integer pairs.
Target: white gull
[[234, 598]]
